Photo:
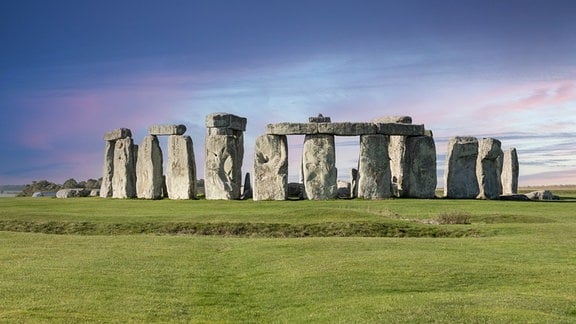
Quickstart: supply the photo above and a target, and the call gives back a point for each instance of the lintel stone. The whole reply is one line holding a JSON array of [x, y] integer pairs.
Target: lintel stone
[[345, 129], [117, 134], [225, 120], [167, 130]]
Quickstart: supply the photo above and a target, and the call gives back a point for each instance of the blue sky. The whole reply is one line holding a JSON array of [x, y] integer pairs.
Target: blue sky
[[72, 70]]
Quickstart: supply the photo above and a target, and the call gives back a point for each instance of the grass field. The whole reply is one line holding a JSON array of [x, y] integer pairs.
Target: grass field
[[92, 259]]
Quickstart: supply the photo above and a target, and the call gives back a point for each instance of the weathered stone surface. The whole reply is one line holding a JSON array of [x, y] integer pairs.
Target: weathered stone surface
[[319, 167], [460, 179], [542, 195], [117, 134], [271, 168], [397, 153], [107, 170], [223, 175], [419, 167], [347, 129], [124, 179], [510, 172], [149, 179], [226, 120], [72, 193], [487, 169], [374, 168], [393, 119], [181, 168], [344, 129], [94, 193], [167, 130], [292, 128], [247, 192]]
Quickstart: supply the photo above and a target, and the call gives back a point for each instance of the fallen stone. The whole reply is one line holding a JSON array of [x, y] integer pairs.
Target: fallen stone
[[510, 172], [149, 178], [344, 191], [374, 168], [514, 197], [226, 120], [319, 167], [72, 193], [167, 130], [271, 168], [295, 190], [181, 168], [487, 168], [460, 179], [542, 195], [117, 134], [420, 168], [94, 192], [124, 179]]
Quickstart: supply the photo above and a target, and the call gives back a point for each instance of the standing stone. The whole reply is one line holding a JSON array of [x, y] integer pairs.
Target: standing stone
[[124, 179], [271, 168], [354, 183], [397, 153], [510, 172], [374, 168], [247, 188], [487, 170], [319, 167], [149, 179], [181, 168], [107, 170], [460, 179], [221, 171], [420, 167], [224, 141]]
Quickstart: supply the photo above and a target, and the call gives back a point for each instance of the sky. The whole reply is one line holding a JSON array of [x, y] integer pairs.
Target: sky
[[72, 70]]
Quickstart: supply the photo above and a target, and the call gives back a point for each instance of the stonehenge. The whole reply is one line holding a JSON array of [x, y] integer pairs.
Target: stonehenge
[[396, 159], [131, 171], [479, 169]]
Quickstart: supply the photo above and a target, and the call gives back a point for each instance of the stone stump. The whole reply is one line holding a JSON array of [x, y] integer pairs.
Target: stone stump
[[181, 168], [487, 168], [420, 167], [319, 167], [149, 179], [124, 178], [374, 168], [271, 168], [460, 179], [224, 155], [510, 172]]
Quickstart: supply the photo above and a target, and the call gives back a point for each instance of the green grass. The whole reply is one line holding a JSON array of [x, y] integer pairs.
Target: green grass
[[514, 263]]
